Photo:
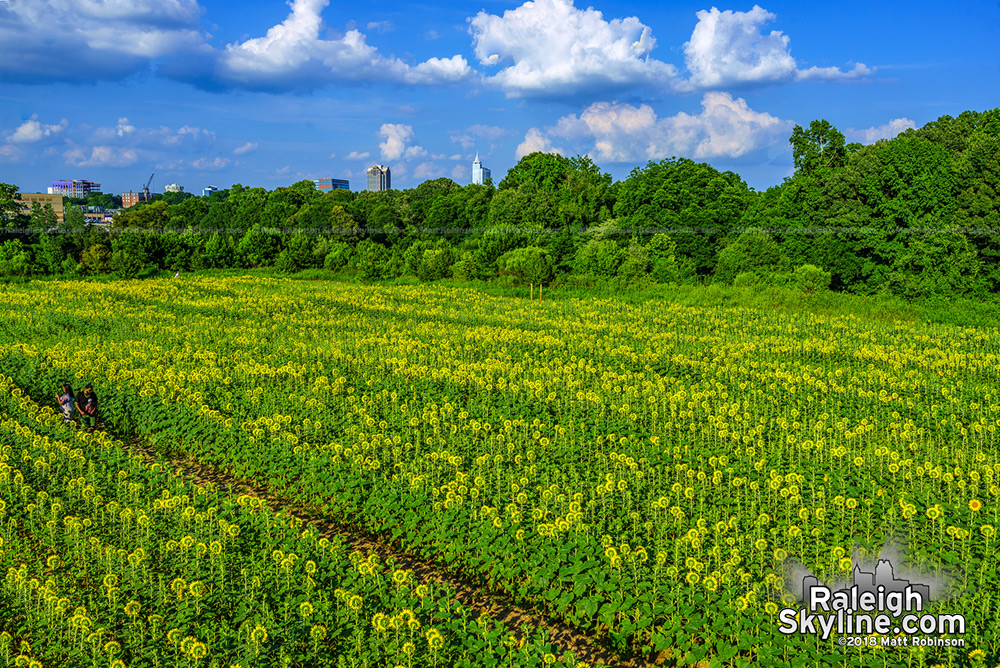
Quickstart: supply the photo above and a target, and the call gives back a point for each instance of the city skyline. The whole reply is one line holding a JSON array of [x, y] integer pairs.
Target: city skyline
[[278, 93]]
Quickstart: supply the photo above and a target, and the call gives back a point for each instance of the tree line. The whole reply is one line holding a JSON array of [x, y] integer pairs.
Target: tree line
[[917, 215]]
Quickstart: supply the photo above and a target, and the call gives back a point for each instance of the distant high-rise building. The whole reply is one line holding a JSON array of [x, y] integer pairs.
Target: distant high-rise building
[[379, 178], [173, 188], [74, 188], [326, 185], [480, 174], [208, 190]]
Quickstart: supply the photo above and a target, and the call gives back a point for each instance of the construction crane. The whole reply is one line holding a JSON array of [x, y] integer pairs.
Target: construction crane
[[145, 188]]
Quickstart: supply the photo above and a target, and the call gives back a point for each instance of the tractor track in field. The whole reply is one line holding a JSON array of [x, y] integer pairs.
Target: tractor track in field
[[494, 605]]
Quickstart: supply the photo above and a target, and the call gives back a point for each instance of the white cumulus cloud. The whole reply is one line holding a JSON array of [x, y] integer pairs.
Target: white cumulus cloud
[[293, 54], [32, 130], [834, 73], [354, 155], [617, 132], [729, 47], [550, 47], [102, 156], [248, 147], [535, 142], [886, 131], [397, 142]]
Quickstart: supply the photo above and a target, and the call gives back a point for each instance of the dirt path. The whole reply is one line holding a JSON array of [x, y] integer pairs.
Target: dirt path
[[493, 604]]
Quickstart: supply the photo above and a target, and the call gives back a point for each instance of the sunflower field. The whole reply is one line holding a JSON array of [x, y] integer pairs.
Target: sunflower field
[[649, 474]]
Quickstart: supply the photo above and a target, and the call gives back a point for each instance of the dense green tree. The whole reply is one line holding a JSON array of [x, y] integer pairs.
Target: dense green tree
[[544, 171], [298, 254], [132, 248], [282, 205], [936, 264], [220, 251], [339, 255], [374, 261], [124, 264], [307, 189], [695, 203], [96, 259], [662, 258], [635, 263], [50, 252], [74, 231], [579, 193], [152, 216], [258, 248], [530, 264], [15, 260], [10, 202], [42, 217], [602, 254], [245, 207], [811, 279], [817, 148], [477, 205], [977, 202], [753, 251]]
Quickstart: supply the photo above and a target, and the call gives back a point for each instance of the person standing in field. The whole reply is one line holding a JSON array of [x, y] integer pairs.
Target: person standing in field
[[88, 411], [66, 401]]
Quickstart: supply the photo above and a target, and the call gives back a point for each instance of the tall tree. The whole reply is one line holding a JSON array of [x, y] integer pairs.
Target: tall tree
[[696, 203], [10, 201], [818, 148]]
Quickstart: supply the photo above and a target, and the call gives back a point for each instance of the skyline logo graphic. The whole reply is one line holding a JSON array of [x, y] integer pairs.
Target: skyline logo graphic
[[877, 607]]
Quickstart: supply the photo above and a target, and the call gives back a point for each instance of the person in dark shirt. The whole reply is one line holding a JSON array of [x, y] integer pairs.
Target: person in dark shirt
[[88, 409]]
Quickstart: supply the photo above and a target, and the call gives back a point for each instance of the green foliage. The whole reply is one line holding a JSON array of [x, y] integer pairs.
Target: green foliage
[[50, 251], [544, 171], [573, 191], [299, 253], [435, 263], [42, 217], [219, 251], [936, 265], [258, 248], [753, 251], [811, 279], [338, 256], [125, 264], [10, 201], [527, 265], [14, 259], [373, 261], [96, 260], [427, 261], [635, 264], [697, 203], [850, 209], [818, 148], [69, 268], [662, 258], [599, 257]]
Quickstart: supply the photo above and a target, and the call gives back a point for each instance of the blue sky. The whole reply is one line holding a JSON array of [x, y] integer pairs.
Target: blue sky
[[204, 92]]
